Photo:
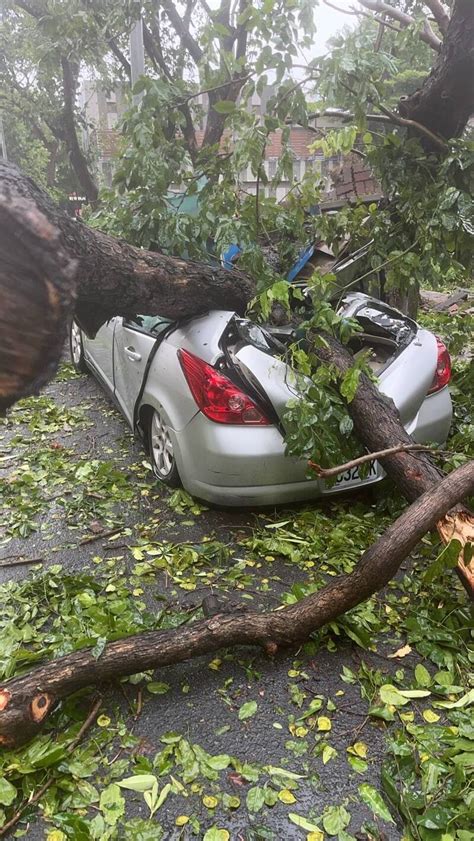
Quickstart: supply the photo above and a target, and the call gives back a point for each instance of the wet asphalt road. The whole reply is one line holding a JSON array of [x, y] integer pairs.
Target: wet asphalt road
[[200, 712]]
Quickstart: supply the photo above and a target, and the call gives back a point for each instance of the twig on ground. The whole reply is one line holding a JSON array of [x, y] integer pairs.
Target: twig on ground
[[139, 704], [93, 537], [17, 560]]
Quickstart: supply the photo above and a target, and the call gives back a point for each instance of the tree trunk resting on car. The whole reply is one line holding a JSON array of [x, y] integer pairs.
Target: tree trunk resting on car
[[52, 265], [47, 262], [26, 701], [377, 424]]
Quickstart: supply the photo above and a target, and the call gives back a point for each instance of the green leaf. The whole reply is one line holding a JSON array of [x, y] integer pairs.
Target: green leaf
[[218, 762], [359, 765], [328, 754], [350, 383], [216, 834], [422, 675], [335, 819], [375, 802], [112, 804], [247, 710], [465, 701], [255, 798], [303, 823], [224, 107], [140, 782], [7, 792], [157, 688], [414, 693], [389, 694], [447, 559]]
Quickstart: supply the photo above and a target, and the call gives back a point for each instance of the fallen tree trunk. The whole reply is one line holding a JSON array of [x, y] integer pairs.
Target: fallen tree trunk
[[49, 262], [25, 702], [377, 424], [52, 265]]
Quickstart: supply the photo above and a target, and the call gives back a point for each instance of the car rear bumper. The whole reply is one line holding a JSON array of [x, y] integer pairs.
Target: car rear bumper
[[236, 465], [247, 466]]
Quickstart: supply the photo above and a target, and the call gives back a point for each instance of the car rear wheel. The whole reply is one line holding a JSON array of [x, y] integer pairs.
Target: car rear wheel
[[162, 452], [77, 348]]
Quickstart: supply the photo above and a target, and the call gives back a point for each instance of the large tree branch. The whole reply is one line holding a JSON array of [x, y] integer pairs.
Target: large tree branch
[[153, 48], [77, 157], [26, 701], [179, 27], [434, 139], [439, 13], [119, 55], [426, 34], [377, 424], [49, 260]]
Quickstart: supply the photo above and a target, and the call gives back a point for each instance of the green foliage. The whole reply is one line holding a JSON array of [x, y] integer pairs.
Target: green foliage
[[93, 790]]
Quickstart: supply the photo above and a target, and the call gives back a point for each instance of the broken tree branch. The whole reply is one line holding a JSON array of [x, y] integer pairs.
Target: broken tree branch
[[327, 472], [26, 701], [439, 13], [426, 34], [435, 139], [34, 798], [40, 249], [378, 426]]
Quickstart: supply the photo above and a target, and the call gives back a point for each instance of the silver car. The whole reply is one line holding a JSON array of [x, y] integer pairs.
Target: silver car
[[208, 396]]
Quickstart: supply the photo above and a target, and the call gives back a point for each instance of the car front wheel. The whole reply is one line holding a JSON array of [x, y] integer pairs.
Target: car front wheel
[[77, 348], [162, 452]]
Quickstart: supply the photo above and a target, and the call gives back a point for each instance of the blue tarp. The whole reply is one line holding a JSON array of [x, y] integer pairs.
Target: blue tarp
[[233, 250]]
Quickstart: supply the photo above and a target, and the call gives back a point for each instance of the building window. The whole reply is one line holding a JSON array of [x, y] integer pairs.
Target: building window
[[112, 119]]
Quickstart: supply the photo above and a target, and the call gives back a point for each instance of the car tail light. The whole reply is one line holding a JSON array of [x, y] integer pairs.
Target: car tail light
[[217, 397], [443, 368]]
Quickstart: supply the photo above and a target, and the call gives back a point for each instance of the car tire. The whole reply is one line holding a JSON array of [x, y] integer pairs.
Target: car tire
[[161, 451], [76, 348]]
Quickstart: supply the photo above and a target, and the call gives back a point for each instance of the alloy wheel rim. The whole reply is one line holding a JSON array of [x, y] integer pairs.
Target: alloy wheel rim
[[76, 343], [162, 447]]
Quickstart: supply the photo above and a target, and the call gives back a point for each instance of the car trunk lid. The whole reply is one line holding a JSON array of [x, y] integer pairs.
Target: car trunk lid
[[403, 357]]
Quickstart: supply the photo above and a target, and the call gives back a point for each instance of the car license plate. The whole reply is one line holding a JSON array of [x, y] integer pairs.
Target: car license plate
[[353, 477]]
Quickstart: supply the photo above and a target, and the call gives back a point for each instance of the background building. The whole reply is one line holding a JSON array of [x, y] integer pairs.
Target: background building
[[344, 178]]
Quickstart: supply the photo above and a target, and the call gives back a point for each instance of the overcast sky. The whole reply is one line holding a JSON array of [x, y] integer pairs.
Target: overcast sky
[[329, 22]]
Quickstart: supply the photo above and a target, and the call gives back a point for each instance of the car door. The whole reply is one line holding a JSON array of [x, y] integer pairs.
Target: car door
[[133, 344], [99, 352]]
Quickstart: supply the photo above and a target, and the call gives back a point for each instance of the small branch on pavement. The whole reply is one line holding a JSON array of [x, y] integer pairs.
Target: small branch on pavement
[[93, 537], [17, 560], [326, 472]]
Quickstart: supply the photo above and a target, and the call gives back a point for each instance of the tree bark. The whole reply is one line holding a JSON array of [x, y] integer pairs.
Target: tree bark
[[52, 264], [26, 701], [445, 102], [377, 424], [77, 157]]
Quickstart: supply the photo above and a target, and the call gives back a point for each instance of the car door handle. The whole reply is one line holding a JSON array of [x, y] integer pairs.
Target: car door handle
[[132, 354]]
